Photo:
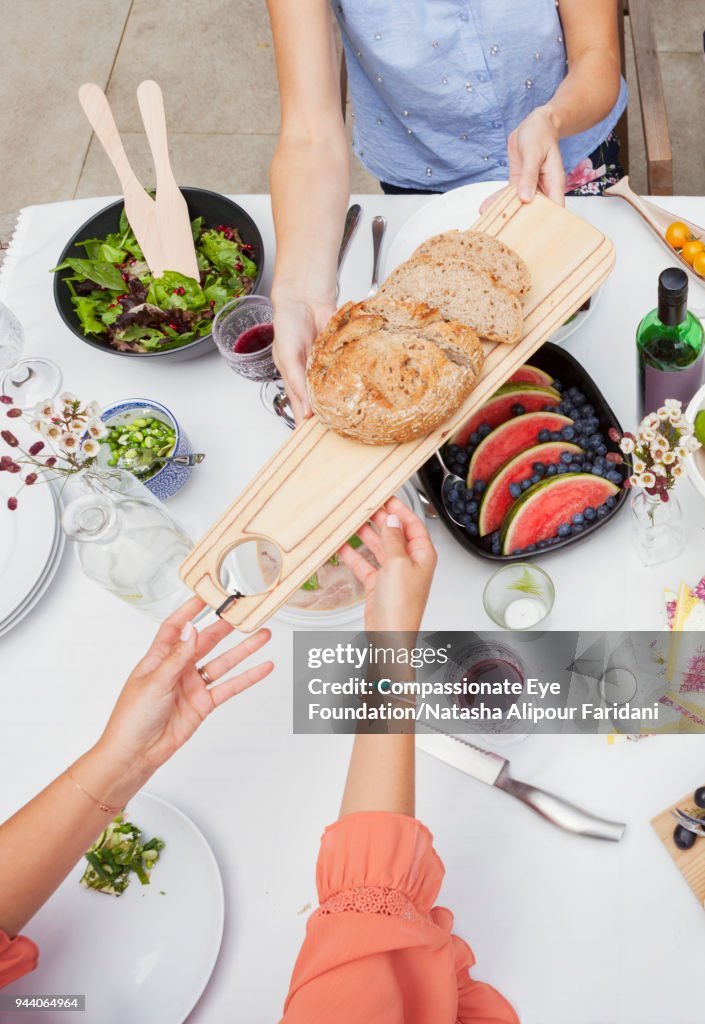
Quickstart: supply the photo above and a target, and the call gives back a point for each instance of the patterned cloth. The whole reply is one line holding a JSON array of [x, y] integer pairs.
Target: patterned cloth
[[437, 86]]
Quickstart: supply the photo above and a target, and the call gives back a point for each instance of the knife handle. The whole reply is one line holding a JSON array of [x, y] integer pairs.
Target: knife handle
[[562, 813]]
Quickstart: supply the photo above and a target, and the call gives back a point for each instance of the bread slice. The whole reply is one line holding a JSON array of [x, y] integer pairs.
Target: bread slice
[[482, 252], [391, 374], [459, 293]]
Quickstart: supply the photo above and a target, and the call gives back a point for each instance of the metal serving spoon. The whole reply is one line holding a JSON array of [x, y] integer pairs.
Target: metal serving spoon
[[379, 226], [448, 485], [144, 460]]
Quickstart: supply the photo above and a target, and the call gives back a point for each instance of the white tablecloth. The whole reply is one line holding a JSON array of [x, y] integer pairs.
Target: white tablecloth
[[571, 930]]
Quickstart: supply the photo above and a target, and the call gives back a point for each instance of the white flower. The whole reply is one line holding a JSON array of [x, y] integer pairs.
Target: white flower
[[660, 471], [675, 417], [96, 428], [669, 458], [38, 425], [656, 453], [627, 445], [647, 480], [92, 410], [647, 434], [69, 441], [44, 411], [635, 480], [638, 465], [52, 431], [90, 447], [68, 398], [681, 451], [692, 443], [77, 426], [678, 470], [661, 442], [650, 421], [673, 403]]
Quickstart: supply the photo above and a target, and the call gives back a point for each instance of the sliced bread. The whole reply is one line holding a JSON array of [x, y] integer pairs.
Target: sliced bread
[[483, 252], [391, 373], [458, 292]]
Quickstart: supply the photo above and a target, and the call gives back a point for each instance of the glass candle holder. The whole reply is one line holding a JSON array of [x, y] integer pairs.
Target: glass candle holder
[[243, 333], [519, 596]]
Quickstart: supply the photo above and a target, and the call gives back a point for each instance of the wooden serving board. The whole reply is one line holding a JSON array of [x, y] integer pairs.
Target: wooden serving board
[[690, 863], [319, 487]]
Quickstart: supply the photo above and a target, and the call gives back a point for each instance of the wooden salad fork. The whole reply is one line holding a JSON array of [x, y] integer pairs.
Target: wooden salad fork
[[173, 221], [140, 209]]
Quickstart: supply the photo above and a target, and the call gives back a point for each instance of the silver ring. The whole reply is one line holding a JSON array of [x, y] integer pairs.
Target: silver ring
[[204, 675]]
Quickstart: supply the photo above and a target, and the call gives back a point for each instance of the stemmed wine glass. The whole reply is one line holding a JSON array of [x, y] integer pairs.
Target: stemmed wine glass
[[244, 335], [25, 381]]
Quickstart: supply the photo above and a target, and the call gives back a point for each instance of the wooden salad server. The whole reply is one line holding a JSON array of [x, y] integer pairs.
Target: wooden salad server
[[658, 220], [139, 206], [319, 487], [178, 249]]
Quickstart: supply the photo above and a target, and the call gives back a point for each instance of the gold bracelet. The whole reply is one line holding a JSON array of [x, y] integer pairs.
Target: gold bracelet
[[102, 806]]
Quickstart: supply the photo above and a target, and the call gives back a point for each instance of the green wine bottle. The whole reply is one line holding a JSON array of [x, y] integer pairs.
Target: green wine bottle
[[670, 346]]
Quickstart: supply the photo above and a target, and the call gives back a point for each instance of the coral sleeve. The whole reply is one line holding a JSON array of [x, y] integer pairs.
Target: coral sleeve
[[18, 957]]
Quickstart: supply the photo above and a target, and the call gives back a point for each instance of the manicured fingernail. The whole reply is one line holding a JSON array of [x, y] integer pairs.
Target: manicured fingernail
[[526, 193], [187, 631], [394, 521]]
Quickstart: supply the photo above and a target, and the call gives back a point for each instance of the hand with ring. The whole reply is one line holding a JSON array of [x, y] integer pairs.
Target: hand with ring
[[167, 696]]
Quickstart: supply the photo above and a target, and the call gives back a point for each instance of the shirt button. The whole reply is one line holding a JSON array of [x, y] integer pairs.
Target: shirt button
[[481, 76], [502, 163], [496, 124], [464, 16]]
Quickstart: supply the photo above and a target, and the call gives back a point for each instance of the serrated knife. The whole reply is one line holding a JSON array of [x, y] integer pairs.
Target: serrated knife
[[491, 768]]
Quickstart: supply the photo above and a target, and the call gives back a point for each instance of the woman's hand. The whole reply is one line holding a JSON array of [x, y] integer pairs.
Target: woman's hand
[[397, 591], [165, 699], [296, 324], [535, 158]]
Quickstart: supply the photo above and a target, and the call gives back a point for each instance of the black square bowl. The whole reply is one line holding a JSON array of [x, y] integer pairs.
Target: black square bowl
[[214, 208], [563, 367]]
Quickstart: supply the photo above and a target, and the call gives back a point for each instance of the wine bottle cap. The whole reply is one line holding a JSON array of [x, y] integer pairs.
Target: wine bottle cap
[[673, 286]]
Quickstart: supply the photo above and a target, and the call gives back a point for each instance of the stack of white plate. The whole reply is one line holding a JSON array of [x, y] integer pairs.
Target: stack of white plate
[[31, 545]]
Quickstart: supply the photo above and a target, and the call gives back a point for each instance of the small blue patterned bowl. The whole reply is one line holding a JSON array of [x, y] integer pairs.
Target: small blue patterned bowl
[[170, 478]]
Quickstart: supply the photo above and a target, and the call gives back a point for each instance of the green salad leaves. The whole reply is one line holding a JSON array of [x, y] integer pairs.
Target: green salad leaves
[[117, 300]]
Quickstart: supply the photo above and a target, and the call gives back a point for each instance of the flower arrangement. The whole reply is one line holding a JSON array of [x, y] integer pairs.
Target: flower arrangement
[[70, 441], [657, 452]]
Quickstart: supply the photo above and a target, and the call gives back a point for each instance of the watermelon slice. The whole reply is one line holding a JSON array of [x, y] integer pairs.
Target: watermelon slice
[[496, 501], [498, 408], [539, 512], [509, 439], [528, 374]]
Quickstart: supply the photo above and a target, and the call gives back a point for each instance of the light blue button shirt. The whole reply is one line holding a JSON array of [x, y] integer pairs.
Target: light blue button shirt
[[437, 86]]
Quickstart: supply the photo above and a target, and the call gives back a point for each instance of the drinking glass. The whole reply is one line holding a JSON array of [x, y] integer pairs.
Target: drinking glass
[[519, 596], [231, 322], [26, 381]]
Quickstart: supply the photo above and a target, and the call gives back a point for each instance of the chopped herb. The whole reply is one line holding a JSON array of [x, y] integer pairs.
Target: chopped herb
[[116, 853]]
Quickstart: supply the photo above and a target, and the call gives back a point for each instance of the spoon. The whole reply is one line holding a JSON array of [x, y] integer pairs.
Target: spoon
[[144, 460], [352, 219], [379, 226], [451, 487]]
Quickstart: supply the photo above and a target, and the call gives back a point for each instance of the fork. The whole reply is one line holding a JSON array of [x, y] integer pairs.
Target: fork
[[379, 226], [695, 825]]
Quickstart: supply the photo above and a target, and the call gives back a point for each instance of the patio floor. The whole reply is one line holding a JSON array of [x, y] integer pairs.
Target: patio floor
[[215, 62]]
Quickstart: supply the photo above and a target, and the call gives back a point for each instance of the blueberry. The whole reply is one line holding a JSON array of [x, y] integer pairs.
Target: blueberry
[[466, 493], [525, 485], [575, 529], [579, 399], [462, 458], [479, 486], [597, 471], [611, 502], [576, 467], [579, 456], [588, 410], [556, 435], [552, 408], [615, 478], [567, 408], [602, 512], [529, 548], [518, 551], [496, 547], [457, 509], [578, 519], [566, 457], [471, 508], [475, 438], [568, 433], [564, 530], [515, 490], [557, 386], [562, 469], [471, 528], [542, 544], [535, 478], [595, 442], [699, 796], [551, 470], [601, 449], [572, 392], [544, 435], [452, 450], [484, 429], [588, 429], [683, 837], [518, 409], [590, 514], [538, 467], [463, 518]]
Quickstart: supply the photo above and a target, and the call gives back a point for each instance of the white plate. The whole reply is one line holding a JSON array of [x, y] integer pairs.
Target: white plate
[[42, 586], [459, 208], [27, 538], [142, 957]]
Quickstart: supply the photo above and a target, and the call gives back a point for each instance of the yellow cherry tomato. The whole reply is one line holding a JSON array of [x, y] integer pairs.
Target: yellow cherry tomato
[[677, 234], [691, 249], [699, 263]]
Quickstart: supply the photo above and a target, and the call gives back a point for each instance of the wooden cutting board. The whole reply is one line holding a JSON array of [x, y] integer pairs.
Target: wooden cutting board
[[690, 863], [319, 488]]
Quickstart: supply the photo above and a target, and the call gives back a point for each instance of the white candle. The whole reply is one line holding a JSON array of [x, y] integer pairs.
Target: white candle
[[524, 613]]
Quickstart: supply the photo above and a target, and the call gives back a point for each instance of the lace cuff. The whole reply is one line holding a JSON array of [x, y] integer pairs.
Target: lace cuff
[[372, 899]]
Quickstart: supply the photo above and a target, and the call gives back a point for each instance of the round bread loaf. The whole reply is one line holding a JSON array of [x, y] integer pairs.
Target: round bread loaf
[[391, 374], [480, 251]]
